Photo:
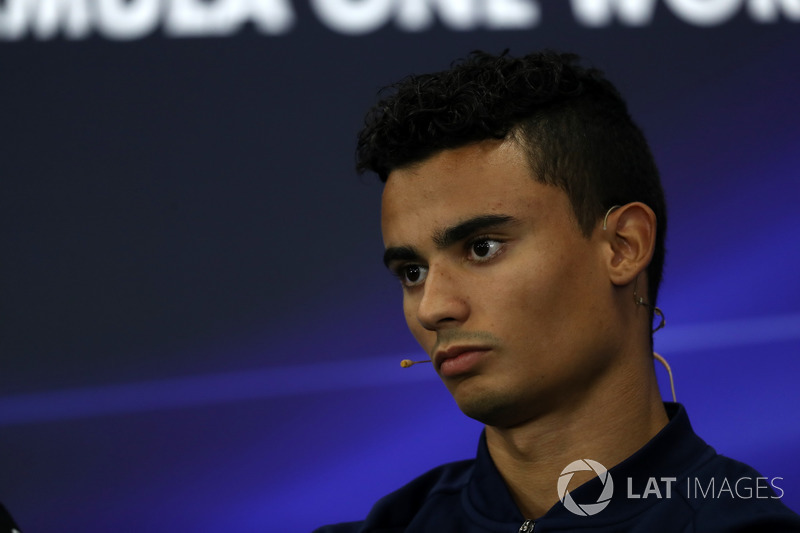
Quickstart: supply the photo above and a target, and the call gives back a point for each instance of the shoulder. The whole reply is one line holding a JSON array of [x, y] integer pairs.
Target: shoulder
[[728, 495], [440, 486], [677, 482]]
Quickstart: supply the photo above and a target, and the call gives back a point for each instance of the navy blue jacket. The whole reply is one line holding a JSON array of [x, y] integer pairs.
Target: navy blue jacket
[[675, 483], [7, 524]]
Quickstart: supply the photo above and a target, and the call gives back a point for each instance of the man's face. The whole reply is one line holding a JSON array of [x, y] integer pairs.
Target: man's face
[[500, 288]]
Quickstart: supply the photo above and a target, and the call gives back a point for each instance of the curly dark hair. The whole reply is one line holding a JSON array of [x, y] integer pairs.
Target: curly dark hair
[[573, 123]]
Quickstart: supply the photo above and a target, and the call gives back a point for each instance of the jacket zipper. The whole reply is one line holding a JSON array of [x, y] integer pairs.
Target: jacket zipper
[[527, 526]]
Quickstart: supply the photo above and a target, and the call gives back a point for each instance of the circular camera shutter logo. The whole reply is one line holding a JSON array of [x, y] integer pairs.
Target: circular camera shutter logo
[[586, 509]]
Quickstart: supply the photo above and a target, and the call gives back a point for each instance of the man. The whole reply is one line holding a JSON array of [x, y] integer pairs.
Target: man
[[524, 217]]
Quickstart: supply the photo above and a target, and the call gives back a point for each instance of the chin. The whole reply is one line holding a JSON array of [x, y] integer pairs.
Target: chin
[[492, 409]]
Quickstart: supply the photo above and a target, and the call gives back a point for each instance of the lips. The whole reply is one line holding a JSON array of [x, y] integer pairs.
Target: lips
[[457, 360]]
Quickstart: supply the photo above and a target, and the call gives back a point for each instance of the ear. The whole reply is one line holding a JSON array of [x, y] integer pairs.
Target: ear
[[630, 232]]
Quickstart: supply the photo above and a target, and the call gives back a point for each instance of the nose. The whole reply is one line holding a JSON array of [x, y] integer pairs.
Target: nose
[[442, 303]]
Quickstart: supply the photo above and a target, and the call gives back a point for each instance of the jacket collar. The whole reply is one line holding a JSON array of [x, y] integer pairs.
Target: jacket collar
[[671, 453]]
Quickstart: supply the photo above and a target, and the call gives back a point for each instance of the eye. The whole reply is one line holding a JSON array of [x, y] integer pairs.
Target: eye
[[484, 249], [412, 275]]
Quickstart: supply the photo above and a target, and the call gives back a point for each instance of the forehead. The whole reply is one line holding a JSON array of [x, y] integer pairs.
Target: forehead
[[489, 177], [486, 160]]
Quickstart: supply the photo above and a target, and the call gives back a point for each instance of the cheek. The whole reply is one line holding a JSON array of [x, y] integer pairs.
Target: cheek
[[554, 300], [532, 296]]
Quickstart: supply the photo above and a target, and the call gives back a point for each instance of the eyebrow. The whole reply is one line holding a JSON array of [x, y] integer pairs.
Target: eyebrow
[[400, 253], [447, 237]]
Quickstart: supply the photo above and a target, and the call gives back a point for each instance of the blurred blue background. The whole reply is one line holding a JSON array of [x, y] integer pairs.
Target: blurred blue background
[[196, 331]]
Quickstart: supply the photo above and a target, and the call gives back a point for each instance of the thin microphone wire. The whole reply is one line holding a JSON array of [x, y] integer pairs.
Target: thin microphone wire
[[660, 359], [405, 363]]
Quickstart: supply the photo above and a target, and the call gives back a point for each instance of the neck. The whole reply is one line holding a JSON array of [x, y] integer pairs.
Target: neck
[[607, 428]]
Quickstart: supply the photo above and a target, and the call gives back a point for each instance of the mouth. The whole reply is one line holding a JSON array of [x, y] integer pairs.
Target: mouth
[[457, 360]]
